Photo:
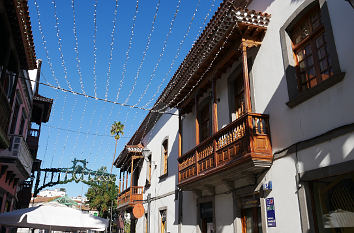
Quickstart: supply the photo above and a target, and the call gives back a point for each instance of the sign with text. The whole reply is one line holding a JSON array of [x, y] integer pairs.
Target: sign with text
[[270, 212]]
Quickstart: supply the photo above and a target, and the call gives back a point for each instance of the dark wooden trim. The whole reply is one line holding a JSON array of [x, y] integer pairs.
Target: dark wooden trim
[[309, 93], [333, 170]]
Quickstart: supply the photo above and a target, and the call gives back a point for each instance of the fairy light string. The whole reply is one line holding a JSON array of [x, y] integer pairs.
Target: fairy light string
[[111, 49], [60, 45], [76, 48], [147, 46], [124, 69]]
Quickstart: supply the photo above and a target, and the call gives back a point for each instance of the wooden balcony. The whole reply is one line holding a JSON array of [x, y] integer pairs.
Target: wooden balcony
[[241, 147], [130, 197], [5, 112], [32, 141]]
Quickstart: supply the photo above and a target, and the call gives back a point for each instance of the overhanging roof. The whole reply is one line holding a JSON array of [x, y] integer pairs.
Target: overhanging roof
[[20, 23]]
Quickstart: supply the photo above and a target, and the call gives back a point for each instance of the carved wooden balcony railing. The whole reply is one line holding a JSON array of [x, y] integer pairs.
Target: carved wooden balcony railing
[[246, 137], [130, 196], [5, 112]]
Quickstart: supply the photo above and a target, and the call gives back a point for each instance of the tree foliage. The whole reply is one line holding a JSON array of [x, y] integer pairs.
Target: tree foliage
[[101, 194], [117, 129]]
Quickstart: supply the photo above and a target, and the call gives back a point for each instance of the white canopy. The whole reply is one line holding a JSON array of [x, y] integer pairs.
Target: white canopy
[[53, 217]]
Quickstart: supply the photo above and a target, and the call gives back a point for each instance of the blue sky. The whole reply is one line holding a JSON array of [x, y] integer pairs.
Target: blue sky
[[91, 119]]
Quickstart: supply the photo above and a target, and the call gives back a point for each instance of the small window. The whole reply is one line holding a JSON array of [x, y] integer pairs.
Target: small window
[[163, 221], [310, 57], [313, 63], [148, 171], [164, 159], [14, 117]]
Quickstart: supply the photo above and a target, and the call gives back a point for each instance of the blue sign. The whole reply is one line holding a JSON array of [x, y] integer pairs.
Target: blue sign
[[270, 212]]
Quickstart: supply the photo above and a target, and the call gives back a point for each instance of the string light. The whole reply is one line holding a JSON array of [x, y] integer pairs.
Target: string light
[[205, 71], [147, 46], [77, 48], [124, 70], [111, 49], [162, 52], [60, 45], [94, 48], [176, 56], [44, 43]]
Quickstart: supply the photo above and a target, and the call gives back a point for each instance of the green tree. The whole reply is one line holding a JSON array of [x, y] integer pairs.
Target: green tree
[[116, 131], [102, 195]]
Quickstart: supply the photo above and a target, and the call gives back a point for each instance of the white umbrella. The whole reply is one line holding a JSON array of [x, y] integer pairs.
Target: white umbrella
[[53, 217]]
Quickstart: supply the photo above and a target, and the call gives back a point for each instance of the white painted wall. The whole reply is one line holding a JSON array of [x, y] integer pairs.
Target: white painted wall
[[224, 213], [165, 127]]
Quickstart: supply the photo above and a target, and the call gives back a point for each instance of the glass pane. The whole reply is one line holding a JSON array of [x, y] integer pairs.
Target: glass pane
[[319, 41], [311, 72], [321, 53], [300, 55], [323, 65], [308, 50], [302, 66], [309, 61]]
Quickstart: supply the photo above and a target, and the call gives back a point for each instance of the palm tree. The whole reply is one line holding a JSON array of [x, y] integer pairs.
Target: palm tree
[[116, 131]]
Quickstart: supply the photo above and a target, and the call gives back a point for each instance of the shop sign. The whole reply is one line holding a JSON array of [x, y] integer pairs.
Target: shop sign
[[270, 212]]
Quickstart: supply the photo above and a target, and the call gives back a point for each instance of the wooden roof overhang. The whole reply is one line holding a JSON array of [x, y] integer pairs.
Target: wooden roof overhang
[[216, 49], [123, 160], [42, 106], [20, 23]]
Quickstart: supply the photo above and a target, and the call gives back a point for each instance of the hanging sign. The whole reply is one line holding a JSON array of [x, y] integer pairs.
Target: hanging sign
[[138, 210], [270, 212]]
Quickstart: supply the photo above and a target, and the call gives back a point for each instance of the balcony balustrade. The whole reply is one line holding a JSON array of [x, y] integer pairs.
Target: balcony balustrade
[[130, 196], [19, 151], [245, 139]]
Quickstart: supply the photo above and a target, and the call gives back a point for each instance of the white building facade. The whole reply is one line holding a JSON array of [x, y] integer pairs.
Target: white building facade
[[264, 138]]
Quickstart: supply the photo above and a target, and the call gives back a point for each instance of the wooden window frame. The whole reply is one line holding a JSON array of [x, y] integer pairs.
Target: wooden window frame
[[297, 97], [206, 103], [164, 159]]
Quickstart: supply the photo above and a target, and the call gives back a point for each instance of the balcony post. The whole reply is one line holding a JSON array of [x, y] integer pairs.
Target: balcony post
[[119, 182], [215, 107], [196, 119], [179, 134], [246, 78], [123, 181], [131, 179]]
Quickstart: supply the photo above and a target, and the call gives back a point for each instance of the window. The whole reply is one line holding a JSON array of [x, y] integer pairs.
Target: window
[[204, 121], [148, 171], [313, 63], [334, 203], [309, 52], [239, 100], [14, 117], [23, 122], [164, 158], [163, 221]]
